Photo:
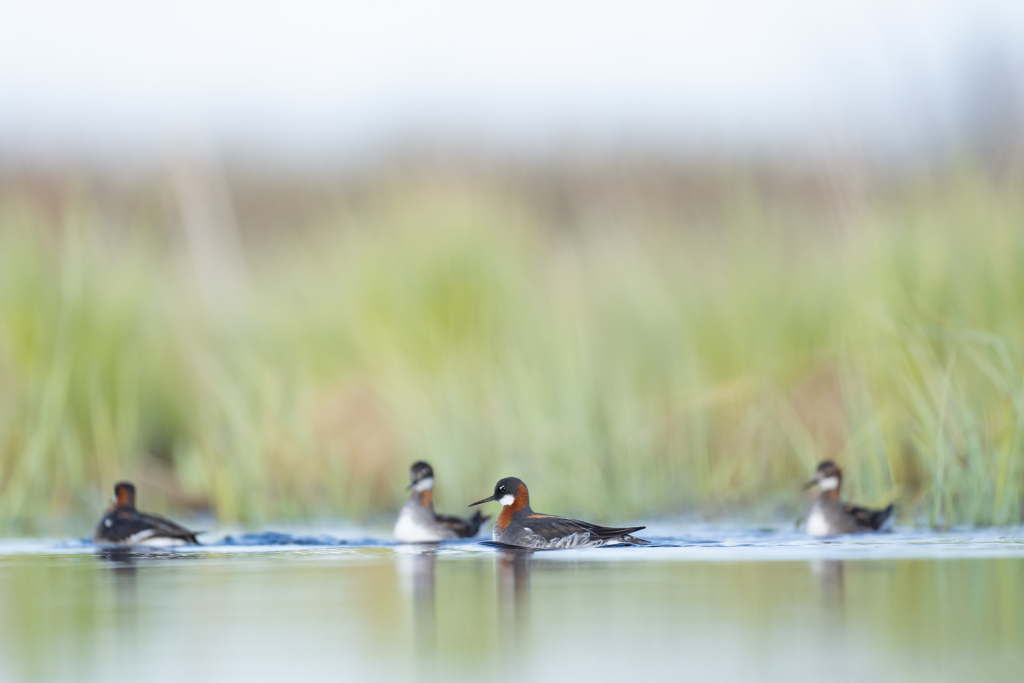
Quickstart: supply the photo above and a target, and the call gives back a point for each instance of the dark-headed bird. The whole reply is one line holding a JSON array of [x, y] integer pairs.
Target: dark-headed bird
[[519, 525], [417, 521], [829, 516], [122, 524]]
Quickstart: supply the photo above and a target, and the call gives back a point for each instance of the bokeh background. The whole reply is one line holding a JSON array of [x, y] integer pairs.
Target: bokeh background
[[655, 259]]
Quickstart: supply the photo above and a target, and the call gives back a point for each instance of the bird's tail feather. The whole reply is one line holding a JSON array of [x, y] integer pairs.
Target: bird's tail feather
[[477, 521]]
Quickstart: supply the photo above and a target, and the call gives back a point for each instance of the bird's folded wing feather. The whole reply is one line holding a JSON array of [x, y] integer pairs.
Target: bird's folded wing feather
[[456, 524], [464, 528], [165, 527], [867, 517], [557, 527]]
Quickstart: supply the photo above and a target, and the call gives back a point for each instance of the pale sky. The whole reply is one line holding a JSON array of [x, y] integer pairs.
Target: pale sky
[[318, 76]]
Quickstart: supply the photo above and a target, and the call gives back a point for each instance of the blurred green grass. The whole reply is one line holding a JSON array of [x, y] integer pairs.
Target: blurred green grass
[[650, 363]]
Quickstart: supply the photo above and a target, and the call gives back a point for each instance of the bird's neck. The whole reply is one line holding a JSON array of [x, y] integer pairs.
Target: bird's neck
[[424, 498], [521, 503], [831, 495]]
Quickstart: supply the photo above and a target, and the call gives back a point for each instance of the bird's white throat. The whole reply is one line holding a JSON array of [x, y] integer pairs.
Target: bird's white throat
[[829, 483], [817, 524], [507, 500], [424, 484]]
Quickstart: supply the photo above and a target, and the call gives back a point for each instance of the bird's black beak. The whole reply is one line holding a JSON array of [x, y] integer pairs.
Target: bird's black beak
[[488, 499], [409, 486], [812, 482]]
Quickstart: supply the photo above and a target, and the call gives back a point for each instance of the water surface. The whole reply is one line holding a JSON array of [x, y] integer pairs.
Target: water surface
[[719, 604]]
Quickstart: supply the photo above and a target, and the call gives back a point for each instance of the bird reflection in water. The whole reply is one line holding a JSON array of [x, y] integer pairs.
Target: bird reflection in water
[[514, 590], [831, 584], [416, 568], [123, 563]]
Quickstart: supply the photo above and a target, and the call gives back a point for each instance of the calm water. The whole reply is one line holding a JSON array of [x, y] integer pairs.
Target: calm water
[[721, 604]]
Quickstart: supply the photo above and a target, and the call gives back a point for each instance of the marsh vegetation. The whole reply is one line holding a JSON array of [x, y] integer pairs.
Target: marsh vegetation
[[644, 339]]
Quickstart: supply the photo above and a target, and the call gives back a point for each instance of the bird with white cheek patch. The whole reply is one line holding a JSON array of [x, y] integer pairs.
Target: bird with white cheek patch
[[518, 525], [418, 523], [828, 516]]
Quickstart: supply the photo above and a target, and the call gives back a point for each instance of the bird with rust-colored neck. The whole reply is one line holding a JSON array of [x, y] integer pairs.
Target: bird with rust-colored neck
[[519, 525], [122, 524], [417, 521], [828, 515]]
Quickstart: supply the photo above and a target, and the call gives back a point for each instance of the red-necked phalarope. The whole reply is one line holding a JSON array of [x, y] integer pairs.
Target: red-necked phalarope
[[122, 524], [519, 525], [828, 516], [417, 521]]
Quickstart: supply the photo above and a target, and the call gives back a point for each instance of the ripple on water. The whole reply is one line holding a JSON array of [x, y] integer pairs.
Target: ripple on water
[[668, 542]]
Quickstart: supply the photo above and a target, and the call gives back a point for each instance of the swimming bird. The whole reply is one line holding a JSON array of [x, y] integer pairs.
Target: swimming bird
[[122, 524], [519, 525], [828, 515], [417, 521]]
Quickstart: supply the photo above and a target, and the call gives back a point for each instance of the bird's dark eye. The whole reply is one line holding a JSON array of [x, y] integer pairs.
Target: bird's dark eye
[[501, 488]]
